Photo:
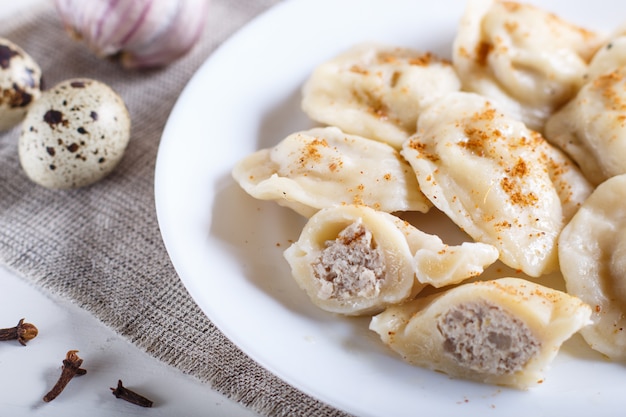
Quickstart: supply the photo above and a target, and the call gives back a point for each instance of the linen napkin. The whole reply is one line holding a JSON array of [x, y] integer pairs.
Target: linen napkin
[[100, 246]]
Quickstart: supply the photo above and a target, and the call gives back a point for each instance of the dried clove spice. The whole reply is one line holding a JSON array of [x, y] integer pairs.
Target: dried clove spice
[[23, 332], [130, 396], [71, 368]]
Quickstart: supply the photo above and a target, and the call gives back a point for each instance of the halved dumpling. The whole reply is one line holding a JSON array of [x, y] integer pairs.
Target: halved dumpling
[[501, 182], [592, 253], [527, 58], [504, 332], [353, 260], [377, 91], [321, 167]]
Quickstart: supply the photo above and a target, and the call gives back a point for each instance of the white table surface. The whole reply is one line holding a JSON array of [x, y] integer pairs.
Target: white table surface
[[28, 372]]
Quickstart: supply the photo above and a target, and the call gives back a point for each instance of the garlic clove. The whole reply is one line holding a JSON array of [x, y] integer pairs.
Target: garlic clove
[[85, 21], [155, 18], [173, 41], [144, 33], [116, 24]]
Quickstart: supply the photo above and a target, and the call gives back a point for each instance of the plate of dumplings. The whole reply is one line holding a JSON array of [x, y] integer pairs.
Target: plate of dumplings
[[416, 207]]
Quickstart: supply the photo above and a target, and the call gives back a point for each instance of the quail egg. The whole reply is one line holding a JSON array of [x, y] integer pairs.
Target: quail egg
[[20, 83], [74, 135]]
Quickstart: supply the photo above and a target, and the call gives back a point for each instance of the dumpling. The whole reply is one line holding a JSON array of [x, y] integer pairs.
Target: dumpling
[[504, 332], [501, 182], [377, 91], [592, 252], [355, 260], [591, 128], [321, 167], [528, 59]]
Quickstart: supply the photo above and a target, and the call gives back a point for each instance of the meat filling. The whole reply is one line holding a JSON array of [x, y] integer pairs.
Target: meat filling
[[485, 338], [351, 265]]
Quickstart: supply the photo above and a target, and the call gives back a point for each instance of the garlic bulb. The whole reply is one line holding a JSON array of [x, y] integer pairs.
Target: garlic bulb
[[143, 33]]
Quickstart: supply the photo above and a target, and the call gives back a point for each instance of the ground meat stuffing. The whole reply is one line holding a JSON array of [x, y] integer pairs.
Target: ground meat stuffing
[[485, 338], [351, 265]]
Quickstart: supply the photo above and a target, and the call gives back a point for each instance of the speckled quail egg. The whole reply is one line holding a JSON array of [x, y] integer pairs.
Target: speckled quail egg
[[20, 83], [74, 135]]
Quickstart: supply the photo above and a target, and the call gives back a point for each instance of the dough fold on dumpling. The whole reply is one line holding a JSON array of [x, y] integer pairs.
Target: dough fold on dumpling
[[592, 253], [528, 59], [321, 167], [591, 128], [355, 260], [501, 182], [439, 264], [377, 91], [504, 332]]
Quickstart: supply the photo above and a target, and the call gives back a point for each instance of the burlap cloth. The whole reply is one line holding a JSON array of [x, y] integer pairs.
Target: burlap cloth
[[100, 246]]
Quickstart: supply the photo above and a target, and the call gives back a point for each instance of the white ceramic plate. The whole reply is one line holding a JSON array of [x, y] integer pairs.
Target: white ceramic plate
[[227, 247]]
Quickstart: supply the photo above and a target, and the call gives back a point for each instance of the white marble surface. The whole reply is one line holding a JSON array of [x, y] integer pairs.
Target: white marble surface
[[28, 372]]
